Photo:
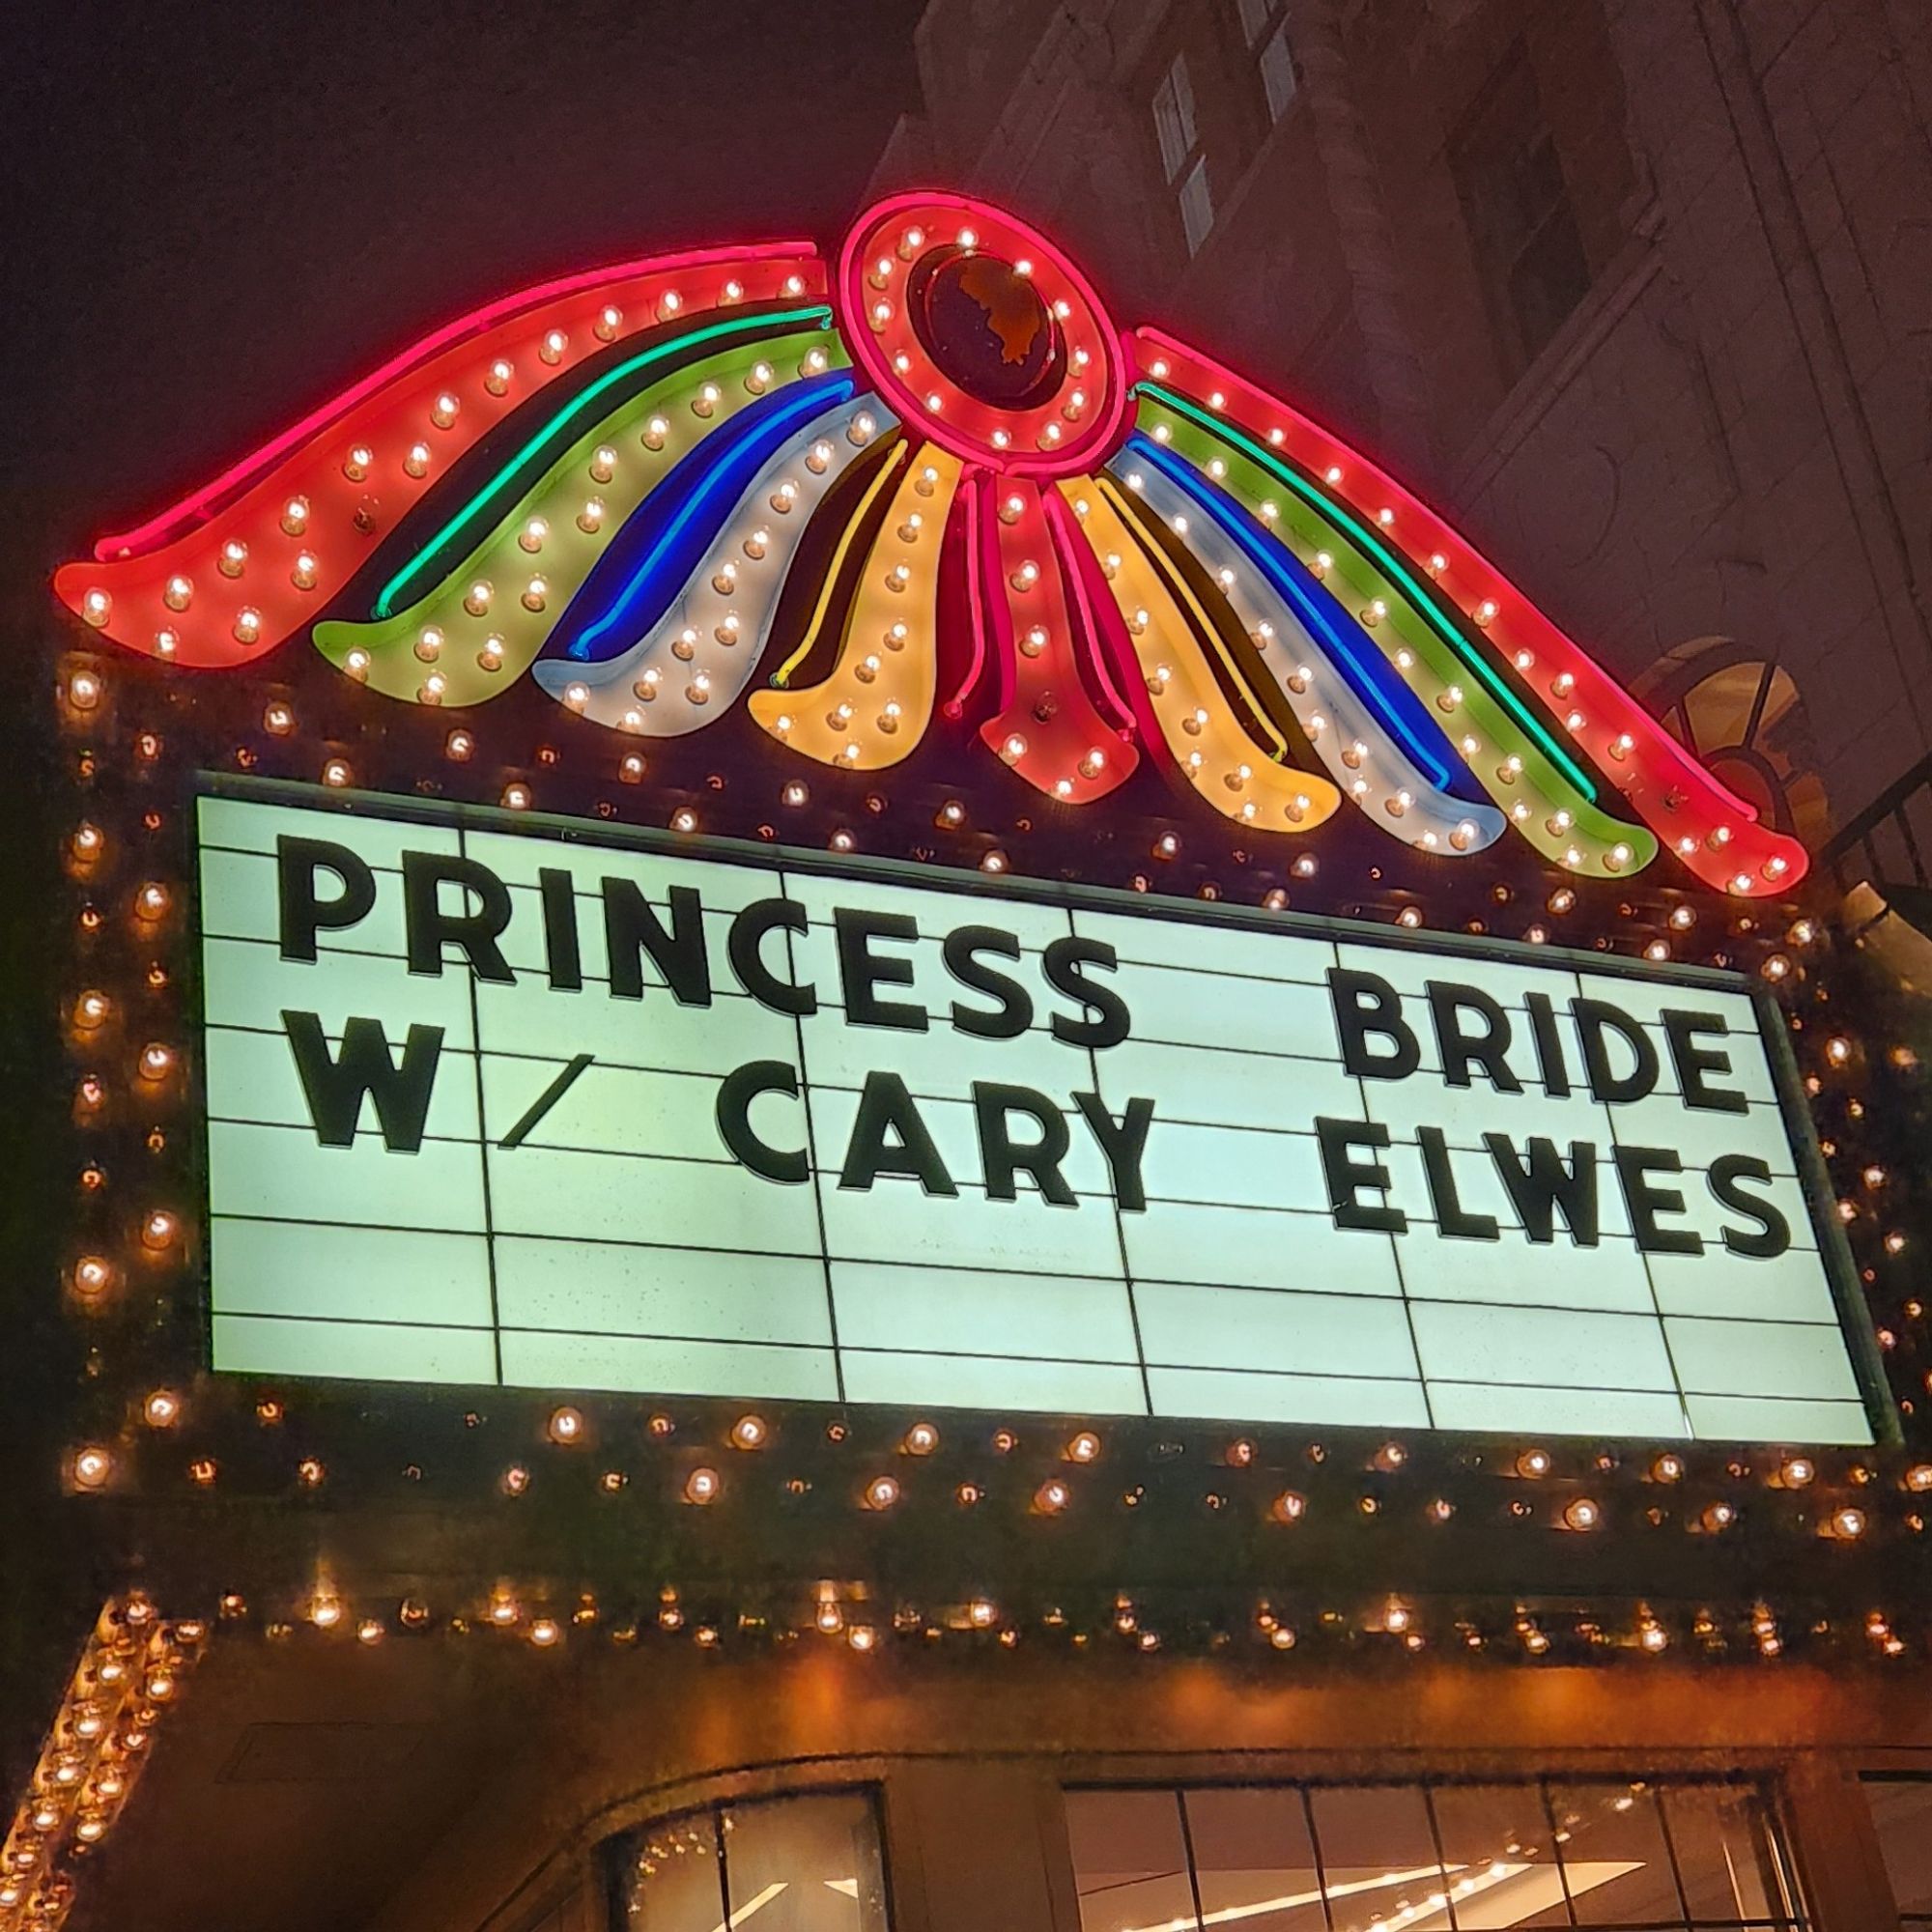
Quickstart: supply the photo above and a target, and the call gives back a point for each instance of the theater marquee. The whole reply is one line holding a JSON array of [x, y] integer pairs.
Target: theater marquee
[[494, 1100]]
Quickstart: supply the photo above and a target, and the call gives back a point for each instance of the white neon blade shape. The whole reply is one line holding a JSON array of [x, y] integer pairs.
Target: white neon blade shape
[[1347, 721], [610, 687]]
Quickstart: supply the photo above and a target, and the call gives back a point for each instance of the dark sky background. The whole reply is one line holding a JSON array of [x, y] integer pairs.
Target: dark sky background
[[223, 209]]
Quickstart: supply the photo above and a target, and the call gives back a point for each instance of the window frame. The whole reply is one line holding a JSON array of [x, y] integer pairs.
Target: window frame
[[1504, 128], [1174, 96], [1915, 1919], [1791, 1911], [614, 1851]]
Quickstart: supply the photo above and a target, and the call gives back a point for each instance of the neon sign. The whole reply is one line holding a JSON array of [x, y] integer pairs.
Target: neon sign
[[934, 480]]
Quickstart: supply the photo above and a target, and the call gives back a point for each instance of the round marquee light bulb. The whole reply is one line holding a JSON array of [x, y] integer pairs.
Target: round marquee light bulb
[[92, 1466], [702, 1486], [566, 1424], [882, 1493], [749, 1432]]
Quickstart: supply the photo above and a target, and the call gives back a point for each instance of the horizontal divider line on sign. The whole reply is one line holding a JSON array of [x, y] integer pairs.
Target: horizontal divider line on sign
[[535, 1145], [840, 1258]]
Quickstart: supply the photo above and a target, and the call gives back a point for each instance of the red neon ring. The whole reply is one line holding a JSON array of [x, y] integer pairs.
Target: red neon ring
[[1065, 434]]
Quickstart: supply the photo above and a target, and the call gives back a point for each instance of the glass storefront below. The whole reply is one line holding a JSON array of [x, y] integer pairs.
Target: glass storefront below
[[1666, 1855]]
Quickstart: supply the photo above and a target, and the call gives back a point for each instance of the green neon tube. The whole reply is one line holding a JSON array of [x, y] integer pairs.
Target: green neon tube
[[1370, 545], [776, 320]]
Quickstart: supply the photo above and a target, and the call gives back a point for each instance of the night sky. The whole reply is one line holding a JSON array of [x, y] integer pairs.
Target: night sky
[[223, 209]]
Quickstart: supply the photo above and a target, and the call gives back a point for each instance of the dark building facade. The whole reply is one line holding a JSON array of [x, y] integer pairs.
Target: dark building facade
[[1634, 290]]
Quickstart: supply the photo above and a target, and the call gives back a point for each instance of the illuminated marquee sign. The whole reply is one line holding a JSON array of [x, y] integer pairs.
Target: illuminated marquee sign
[[932, 483], [494, 1101]]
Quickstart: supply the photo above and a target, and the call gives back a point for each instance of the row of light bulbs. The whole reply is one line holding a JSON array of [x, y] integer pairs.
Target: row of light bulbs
[[129, 1676]]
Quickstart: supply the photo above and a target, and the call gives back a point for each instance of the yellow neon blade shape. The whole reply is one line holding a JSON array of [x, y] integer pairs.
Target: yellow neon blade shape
[[1225, 765], [873, 708]]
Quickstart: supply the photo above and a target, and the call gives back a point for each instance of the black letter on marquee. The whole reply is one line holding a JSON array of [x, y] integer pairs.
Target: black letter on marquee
[[1062, 964], [1593, 1017], [884, 1105], [1124, 1142], [474, 934], [1549, 1044], [1693, 1062], [560, 942], [303, 915], [1003, 1157], [1367, 1004], [748, 932], [335, 1086], [1634, 1166], [1346, 1176], [1447, 1004], [1773, 1234], [735, 1093], [1452, 1221], [1539, 1190], [632, 928], [859, 971], [1016, 1008]]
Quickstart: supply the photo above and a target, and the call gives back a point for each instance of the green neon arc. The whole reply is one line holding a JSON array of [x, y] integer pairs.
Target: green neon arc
[[774, 321], [1366, 541]]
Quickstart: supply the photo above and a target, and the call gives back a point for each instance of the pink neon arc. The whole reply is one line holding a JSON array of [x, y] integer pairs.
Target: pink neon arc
[[208, 499], [1072, 550], [227, 589], [1656, 775], [1044, 724]]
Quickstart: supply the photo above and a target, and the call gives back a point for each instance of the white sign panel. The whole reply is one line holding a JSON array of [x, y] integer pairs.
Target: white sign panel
[[492, 1101]]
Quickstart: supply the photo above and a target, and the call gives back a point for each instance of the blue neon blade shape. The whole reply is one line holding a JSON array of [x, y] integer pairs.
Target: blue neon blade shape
[[1369, 674], [662, 540]]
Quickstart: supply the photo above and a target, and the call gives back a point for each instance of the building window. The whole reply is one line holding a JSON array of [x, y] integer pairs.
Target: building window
[[1669, 1855], [1265, 26], [1181, 157], [790, 1865], [1901, 1809], [1277, 65], [1742, 718], [1522, 227]]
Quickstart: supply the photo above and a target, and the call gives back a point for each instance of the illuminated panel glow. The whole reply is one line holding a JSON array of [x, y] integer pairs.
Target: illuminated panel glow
[[1541, 803], [1353, 739], [873, 707], [712, 1168], [1183, 701], [1044, 724], [480, 628], [697, 658], [1709, 828], [230, 570]]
